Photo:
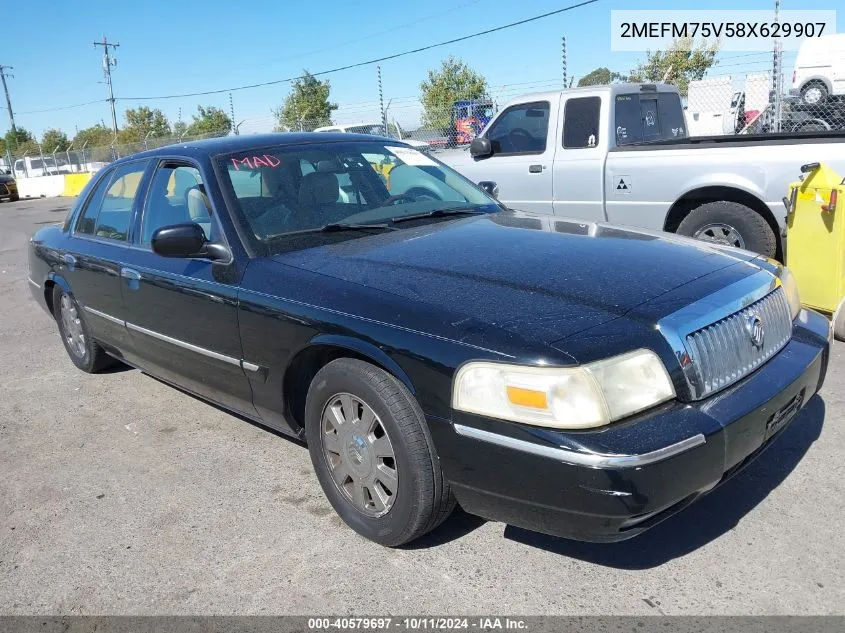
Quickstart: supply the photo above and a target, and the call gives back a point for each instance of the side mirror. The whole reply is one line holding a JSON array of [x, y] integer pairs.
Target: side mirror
[[490, 188], [480, 147], [179, 240]]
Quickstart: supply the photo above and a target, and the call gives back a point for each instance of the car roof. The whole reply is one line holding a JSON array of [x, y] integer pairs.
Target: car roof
[[234, 143]]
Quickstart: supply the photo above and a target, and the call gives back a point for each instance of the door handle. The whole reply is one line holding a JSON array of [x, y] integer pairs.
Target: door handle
[[535, 169], [130, 273]]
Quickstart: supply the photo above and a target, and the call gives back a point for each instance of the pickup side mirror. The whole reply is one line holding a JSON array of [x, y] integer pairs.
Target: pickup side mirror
[[180, 240], [490, 188], [480, 147]]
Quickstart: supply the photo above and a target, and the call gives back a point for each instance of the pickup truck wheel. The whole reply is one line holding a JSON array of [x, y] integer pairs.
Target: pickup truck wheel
[[814, 93], [373, 454], [731, 224], [839, 323]]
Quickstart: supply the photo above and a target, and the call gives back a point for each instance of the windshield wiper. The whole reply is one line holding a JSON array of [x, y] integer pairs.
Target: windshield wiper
[[333, 227], [438, 213]]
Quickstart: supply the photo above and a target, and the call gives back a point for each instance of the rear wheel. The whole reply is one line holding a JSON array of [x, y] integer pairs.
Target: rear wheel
[[839, 323], [730, 224], [85, 353], [373, 454], [814, 93]]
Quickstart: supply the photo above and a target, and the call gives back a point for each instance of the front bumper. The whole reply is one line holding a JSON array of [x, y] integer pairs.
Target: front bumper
[[613, 483]]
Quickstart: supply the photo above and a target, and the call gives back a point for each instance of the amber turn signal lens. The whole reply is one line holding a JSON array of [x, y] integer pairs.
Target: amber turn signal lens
[[527, 398]]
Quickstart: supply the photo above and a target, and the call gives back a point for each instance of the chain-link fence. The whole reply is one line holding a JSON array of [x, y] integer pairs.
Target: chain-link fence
[[717, 105], [747, 104], [33, 164]]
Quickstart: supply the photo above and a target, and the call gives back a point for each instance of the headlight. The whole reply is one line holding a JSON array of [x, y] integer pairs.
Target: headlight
[[790, 287], [567, 397]]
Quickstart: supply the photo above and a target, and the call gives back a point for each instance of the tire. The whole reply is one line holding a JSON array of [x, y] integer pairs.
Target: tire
[[15, 197], [839, 323], [730, 223], [421, 498], [85, 353], [814, 93]]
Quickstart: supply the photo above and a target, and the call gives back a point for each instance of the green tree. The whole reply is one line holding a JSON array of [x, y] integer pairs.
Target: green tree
[[307, 106], [96, 141], [210, 121], [180, 128], [684, 61], [600, 76], [54, 140], [143, 121], [14, 140], [454, 80]]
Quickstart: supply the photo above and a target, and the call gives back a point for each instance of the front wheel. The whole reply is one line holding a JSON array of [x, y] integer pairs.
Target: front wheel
[[373, 454], [730, 224]]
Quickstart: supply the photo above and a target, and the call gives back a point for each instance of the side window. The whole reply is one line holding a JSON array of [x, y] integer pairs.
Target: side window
[[115, 213], [177, 196], [521, 129], [581, 122], [87, 222]]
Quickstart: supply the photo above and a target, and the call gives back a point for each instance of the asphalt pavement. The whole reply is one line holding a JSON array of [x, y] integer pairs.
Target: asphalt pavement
[[122, 495]]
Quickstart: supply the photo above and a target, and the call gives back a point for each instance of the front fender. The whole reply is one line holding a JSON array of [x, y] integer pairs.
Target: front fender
[[368, 350]]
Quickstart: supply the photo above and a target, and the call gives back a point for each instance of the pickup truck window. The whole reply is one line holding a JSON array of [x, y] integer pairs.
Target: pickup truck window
[[521, 129], [648, 117], [581, 122]]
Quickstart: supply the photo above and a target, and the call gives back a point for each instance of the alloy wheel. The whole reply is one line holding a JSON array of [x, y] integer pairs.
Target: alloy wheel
[[718, 233], [72, 326]]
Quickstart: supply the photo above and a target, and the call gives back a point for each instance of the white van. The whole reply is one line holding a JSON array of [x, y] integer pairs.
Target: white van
[[820, 69]]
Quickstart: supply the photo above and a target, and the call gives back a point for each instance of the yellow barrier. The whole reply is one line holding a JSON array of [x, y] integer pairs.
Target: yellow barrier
[[75, 183]]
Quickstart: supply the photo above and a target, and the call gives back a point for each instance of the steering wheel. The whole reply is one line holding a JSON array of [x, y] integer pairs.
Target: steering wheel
[[523, 138], [412, 195]]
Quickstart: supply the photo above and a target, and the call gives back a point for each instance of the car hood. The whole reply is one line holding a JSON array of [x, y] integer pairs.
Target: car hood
[[6, 178], [539, 277]]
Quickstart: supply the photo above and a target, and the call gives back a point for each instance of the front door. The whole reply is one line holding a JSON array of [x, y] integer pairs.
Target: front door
[[523, 151], [182, 314]]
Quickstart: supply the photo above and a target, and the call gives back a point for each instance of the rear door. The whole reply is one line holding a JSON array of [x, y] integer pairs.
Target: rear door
[[579, 162], [523, 142], [182, 312], [99, 243]]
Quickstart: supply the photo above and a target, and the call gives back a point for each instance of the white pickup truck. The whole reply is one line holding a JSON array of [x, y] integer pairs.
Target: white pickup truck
[[621, 154]]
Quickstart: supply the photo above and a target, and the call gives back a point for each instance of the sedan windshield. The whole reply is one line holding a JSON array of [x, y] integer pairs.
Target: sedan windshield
[[290, 190]]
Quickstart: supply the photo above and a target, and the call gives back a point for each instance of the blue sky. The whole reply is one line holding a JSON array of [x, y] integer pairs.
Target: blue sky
[[172, 47]]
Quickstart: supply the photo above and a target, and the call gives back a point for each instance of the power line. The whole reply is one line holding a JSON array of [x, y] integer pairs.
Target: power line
[[69, 107], [371, 61]]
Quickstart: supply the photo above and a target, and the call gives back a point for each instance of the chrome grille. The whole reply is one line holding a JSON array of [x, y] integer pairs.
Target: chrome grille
[[722, 352]]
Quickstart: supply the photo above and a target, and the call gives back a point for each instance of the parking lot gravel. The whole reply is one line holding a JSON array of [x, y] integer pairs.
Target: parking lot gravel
[[122, 495]]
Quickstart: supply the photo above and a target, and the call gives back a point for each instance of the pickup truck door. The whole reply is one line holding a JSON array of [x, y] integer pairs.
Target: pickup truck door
[[522, 138], [578, 172]]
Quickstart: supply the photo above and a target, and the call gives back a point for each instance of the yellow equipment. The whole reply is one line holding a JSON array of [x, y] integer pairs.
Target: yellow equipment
[[815, 250]]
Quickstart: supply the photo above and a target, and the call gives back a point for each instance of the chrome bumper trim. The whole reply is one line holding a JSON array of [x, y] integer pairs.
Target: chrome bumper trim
[[34, 283], [589, 460], [105, 316]]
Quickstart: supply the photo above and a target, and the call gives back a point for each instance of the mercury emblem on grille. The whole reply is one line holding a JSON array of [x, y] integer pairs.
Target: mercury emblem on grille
[[754, 326]]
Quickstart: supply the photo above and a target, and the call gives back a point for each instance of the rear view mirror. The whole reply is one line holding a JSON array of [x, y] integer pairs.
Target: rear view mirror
[[179, 240], [480, 147]]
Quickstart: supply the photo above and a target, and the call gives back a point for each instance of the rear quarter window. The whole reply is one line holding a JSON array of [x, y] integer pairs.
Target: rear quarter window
[[645, 117]]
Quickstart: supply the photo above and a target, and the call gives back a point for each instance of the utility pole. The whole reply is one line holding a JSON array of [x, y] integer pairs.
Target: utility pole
[[4, 74], [563, 54], [381, 103], [777, 75], [108, 63], [232, 113]]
